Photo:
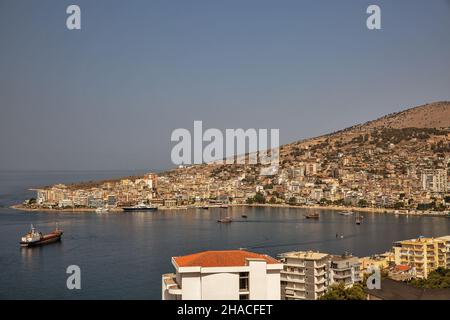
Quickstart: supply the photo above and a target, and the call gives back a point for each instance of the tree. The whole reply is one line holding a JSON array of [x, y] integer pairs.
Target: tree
[[362, 203], [259, 198], [339, 292], [398, 205], [292, 200], [439, 278]]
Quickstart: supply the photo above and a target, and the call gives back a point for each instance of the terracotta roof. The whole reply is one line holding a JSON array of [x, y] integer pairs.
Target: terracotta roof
[[225, 258], [402, 267]]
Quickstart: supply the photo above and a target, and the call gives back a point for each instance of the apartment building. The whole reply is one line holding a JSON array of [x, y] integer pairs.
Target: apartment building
[[434, 180], [304, 275], [423, 254], [223, 275], [344, 269], [446, 240]]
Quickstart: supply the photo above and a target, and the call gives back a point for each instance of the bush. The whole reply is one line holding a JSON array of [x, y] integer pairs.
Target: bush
[[437, 279], [339, 292]]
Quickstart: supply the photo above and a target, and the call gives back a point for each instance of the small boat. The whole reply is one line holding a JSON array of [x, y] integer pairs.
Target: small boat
[[205, 207], [36, 238], [244, 216], [312, 216], [358, 219], [102, 210], [223, 206], [346, 213], [225, 220]]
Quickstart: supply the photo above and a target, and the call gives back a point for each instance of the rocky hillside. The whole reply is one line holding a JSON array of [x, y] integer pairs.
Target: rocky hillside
[[434, 115]]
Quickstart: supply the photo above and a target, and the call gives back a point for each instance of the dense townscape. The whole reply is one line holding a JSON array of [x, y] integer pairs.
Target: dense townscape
[[398, 162]]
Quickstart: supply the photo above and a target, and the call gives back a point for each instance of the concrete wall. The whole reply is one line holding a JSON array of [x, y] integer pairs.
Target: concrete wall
[[273, 285], [220, 286], [258, 280], [191, 286]]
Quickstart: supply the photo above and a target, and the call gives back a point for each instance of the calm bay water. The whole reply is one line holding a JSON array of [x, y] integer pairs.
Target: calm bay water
[[122, 256]]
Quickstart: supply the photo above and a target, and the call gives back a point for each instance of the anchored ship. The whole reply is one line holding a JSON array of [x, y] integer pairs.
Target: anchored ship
[[36, 238], [312, 216]]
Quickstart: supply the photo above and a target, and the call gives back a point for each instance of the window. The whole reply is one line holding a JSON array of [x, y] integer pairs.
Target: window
[[243, 280]]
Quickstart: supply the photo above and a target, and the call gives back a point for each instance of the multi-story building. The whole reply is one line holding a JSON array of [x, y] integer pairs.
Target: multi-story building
[[434, 180], [223, 275], [423, 254], [344, 269], [446, 240], [304, 276]]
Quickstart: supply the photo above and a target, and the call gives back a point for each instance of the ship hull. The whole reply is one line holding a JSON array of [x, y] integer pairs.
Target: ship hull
[[131, 209], [51, 238]]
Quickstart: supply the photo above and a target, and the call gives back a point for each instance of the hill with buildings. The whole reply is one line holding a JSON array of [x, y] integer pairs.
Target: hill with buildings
[[398, 161]]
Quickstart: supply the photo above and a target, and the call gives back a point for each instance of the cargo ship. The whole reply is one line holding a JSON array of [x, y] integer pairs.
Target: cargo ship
[[36, 238], [140, 207]]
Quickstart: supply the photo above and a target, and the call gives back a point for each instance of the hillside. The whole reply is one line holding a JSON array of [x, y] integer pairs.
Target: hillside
[[434, 115]]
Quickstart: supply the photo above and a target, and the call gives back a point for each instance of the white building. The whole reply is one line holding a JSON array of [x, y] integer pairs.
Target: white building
[[434, 180], [345, 269], [307, 275], [223, 275]]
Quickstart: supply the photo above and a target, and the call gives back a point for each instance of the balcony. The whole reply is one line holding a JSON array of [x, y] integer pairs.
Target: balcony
[[342, 275], [322, 280], [320, 272], [292, 279], [171, 285], [293, 272], [294, 265], [294, 287], [321, 289]]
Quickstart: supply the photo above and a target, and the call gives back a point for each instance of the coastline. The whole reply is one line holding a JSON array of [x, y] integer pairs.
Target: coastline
[[354, 209], [21, 207]]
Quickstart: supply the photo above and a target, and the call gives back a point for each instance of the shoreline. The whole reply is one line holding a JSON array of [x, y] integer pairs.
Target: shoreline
[[21, 207], [355, 209]]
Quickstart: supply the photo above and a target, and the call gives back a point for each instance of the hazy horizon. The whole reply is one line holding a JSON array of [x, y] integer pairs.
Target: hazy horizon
[[107, 97]]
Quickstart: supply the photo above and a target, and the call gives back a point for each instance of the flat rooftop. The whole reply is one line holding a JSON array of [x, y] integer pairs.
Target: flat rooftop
[[306, 255]]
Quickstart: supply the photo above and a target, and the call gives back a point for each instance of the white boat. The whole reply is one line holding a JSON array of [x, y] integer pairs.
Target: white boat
[[102, 210], [346, 213]]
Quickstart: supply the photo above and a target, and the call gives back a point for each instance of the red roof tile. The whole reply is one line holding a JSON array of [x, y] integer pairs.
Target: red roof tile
[[226, 258], [402, 267]]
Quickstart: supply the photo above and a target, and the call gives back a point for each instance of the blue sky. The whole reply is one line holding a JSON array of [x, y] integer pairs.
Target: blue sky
[[109, 96]]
